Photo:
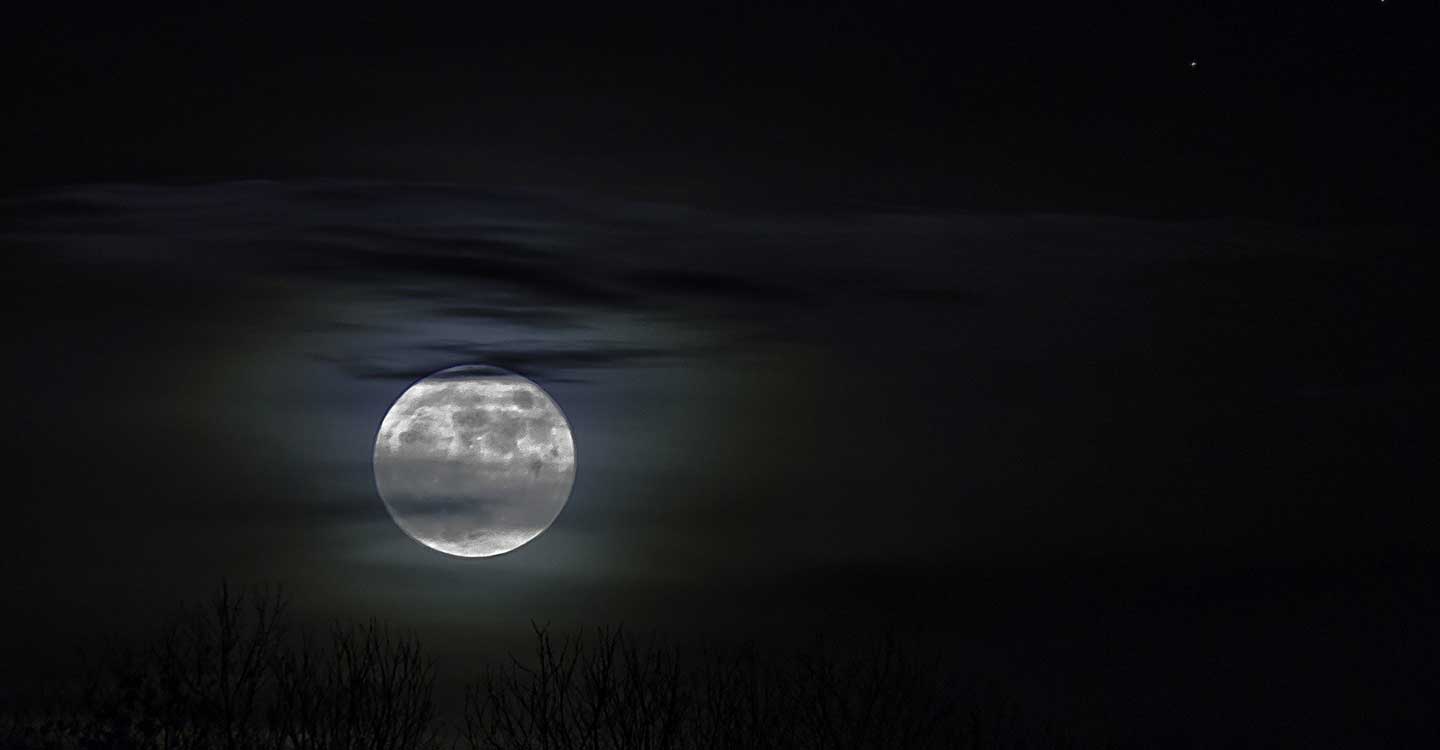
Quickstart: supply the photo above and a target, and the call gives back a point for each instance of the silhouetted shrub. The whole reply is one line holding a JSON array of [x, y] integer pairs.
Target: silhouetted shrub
[[366, 689], [200, 685], [610, 691], [234, 674], [224, 677], [603, 692]]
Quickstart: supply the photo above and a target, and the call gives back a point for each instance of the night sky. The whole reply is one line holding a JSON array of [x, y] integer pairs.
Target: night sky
[[1081, 341]]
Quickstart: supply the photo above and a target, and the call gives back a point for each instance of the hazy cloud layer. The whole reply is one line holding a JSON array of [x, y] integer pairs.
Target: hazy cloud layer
[[971, 373], [470, 272]]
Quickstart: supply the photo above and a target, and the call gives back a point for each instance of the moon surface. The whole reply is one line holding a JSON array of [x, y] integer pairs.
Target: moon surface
[[474, 461]]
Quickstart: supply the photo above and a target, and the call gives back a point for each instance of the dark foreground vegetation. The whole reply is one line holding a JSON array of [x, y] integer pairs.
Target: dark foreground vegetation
[[236, 673]]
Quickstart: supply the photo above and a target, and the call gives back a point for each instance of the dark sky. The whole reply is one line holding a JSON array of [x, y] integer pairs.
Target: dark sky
[[1005, 327], [1310, 110]]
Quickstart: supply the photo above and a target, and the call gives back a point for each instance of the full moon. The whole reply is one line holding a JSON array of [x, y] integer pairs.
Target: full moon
[[474, 461]]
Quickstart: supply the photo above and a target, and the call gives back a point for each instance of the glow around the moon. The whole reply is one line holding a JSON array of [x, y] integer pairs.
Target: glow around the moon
[[474, 461]]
